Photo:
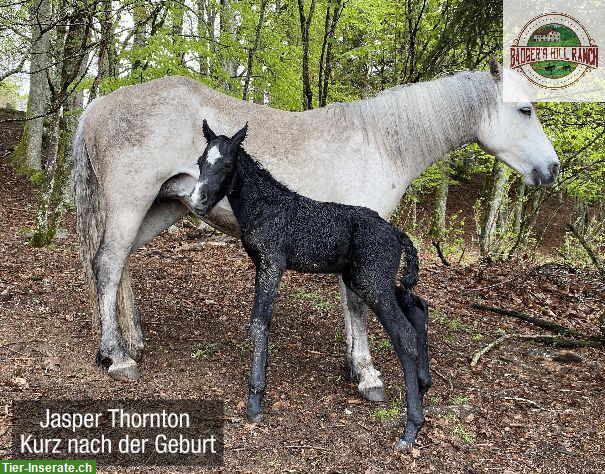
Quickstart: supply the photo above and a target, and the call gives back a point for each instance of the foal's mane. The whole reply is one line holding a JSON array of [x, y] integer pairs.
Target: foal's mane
[[253, 167]]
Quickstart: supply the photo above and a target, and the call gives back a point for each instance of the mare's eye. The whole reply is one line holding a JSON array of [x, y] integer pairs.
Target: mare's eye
[[525, 111]]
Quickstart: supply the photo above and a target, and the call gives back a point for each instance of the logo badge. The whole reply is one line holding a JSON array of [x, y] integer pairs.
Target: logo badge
[[554, 51]]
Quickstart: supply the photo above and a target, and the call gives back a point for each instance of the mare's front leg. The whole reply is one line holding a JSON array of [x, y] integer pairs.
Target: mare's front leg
[[358, 359], [268, 275]]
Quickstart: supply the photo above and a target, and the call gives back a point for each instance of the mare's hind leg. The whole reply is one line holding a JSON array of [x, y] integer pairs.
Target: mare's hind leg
[[121, 228], [158, 218], [358, 360]]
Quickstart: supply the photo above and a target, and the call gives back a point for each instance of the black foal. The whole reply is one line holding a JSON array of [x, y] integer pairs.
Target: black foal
[[281, 230]]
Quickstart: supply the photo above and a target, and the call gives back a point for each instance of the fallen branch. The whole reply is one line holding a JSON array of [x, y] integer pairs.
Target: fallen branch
[[557, 341], [486, 349], [437, 246], [600, 266], [548, 325]]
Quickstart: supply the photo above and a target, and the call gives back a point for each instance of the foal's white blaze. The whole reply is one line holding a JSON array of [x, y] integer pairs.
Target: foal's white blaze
[[213, 155], [195, 195]]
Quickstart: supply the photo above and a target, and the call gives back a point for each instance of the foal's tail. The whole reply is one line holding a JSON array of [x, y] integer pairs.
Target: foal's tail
[[410, 277], [90, 209]]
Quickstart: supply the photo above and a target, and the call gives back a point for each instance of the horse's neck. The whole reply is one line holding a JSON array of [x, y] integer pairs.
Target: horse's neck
[[417, 125], [249, 182]]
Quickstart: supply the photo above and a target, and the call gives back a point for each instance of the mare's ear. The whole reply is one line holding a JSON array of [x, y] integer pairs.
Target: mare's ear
[[495, 68], [209, 135], [239, 137]]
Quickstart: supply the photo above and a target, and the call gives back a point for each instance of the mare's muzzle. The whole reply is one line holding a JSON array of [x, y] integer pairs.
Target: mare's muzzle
[[541, 178]]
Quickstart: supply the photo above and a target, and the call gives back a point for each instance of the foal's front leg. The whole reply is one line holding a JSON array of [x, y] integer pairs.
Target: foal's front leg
[[268, 276]]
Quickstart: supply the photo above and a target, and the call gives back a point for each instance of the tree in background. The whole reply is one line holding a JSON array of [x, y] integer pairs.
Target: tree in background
[[299, 55]]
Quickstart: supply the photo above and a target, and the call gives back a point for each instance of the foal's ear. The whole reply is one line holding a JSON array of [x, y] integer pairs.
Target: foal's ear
[[239, 137], [209, 135], [495, 68]]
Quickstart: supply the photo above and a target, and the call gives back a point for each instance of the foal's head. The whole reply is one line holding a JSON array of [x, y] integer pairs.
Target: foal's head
[[217, 167]]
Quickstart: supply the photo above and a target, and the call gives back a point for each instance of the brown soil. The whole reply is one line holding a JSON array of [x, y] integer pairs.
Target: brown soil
[[521, 409]]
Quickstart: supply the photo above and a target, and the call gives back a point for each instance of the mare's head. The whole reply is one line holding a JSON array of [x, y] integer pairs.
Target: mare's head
[[217, 168], [512, 133]]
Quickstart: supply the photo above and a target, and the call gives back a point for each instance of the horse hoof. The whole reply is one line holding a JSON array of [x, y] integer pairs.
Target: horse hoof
[[124, 372], [375, 394], [402, 446], [135, 353], [254, 418]]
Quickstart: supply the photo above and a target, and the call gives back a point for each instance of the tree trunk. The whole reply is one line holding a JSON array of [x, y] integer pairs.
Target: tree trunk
[[254, 48], [40, 16], [579, 218], [519, 206], [139, 16], [305, 26], [497, 190], [438, 223], [178, 15], [203, 16], [227, 28], [333, 12], [106, 54]]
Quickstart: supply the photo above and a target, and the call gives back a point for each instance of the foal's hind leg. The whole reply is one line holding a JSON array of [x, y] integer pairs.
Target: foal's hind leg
[[416, 311], [418, 316], [358, 359], [381, 298], [405, 342], [121, 227]]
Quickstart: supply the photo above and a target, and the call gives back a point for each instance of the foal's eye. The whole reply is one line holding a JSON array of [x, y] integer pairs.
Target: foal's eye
[[525, 111]]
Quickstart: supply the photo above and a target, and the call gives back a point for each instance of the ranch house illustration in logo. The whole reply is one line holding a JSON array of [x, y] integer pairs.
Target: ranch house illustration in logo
[[554, 51]]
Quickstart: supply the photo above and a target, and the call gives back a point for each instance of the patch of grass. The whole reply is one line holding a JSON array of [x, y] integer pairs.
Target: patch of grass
[[454, 324], [459, 430], [460, 399], [319, 301], [384, 414], [271, 347], [163, 349], [202, 350], [477, 337], [383, 345], [438, 315]]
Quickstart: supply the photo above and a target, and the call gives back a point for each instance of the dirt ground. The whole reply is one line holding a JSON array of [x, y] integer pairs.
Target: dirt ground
[[525, 407]]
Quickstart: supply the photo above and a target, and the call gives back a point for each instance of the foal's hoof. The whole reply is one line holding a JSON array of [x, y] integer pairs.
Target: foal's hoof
[[375, 394], [124, 372], [402, 446]]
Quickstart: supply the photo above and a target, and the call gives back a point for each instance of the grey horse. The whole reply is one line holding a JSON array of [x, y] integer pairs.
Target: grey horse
[[143, 141]]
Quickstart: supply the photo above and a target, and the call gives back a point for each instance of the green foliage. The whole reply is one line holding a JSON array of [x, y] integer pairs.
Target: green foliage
[[316, 298], [386, 414], [459, 429], [9, 93], [574, 254]]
